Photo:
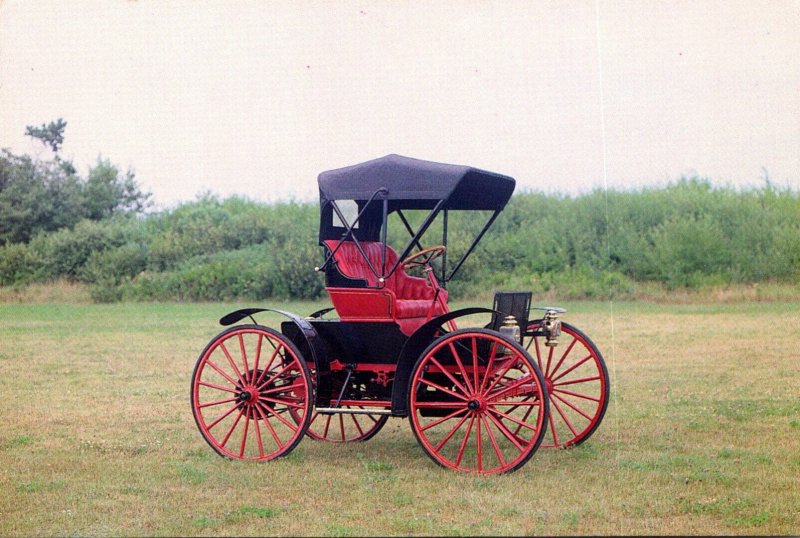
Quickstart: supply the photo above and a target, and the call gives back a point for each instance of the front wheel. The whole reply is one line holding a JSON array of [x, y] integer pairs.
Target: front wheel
[[577, 382], [251, 394], [478, 402]]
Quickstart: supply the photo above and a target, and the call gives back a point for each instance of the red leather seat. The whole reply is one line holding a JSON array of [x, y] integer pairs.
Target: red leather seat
[[412, 295]]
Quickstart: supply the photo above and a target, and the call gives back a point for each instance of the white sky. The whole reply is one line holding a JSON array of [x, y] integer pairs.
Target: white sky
[[257, 98]]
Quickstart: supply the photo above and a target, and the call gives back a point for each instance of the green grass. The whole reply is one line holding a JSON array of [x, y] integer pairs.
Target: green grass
[[98, 438]]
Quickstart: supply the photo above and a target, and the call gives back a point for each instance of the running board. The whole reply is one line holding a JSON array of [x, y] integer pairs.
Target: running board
[[349, 411]]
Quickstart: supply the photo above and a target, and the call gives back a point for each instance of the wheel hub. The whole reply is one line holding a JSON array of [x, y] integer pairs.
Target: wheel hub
[[476, 404], [248, 395]]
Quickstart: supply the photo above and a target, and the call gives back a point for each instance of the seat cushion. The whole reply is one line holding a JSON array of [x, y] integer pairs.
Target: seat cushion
[[413, 295]]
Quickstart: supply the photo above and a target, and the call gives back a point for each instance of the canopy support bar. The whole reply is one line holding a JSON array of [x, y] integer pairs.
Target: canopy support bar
[[473, 245]]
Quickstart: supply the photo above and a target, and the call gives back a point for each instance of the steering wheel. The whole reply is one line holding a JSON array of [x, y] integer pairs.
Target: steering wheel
[[423, 257]]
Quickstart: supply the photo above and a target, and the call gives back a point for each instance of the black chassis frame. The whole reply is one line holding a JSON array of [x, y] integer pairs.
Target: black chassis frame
[[316, 338]]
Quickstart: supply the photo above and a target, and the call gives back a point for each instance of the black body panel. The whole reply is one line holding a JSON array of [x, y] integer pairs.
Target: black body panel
[[361, 342]]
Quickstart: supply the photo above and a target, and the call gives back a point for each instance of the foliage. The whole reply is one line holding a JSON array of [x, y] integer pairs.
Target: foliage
[[46, 196], [688, 234], [51, 135]]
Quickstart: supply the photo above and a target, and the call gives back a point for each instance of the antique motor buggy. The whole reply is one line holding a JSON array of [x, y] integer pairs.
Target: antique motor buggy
[[480, 399]]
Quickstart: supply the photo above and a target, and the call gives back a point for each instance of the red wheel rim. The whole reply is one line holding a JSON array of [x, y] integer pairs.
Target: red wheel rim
[[475, 408], [577, 384], [251, 394]]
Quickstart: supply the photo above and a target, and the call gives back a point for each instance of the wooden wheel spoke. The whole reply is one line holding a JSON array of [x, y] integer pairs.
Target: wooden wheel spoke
[[275, 353], [232, 363], [510, 436], [277, 415], [527, 378], [436, 405], [258, 357], [553, 429], [443, 389], [475, 374], [233, 427], [451, 433], [358, 426], [287, 403], [571, 368], [449, 375], [297, 385], [546, 370], [513, 419], [217, 402], [563, 356], [244, 435], [443, 419], [576, 381], [218, 387], [572, 406], [516, 404], [493, 440], [489, 366], [524, 418], [327, 425], [461, 368], [244, 356], [563, 417], [275, 376], [223, 417], [463, 444], [499, 375], [222, 373], [269, 426], [576, 394]]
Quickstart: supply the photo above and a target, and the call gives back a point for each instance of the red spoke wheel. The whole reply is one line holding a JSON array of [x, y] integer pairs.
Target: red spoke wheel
[[251, 394], [478, 402], [577, 383]]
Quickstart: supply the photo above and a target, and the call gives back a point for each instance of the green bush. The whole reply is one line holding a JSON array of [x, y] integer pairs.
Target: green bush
[[247, 273], [687, 234], [66, 251], [19, 264]]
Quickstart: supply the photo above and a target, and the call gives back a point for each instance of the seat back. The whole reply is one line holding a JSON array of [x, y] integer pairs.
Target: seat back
[[351, 262]]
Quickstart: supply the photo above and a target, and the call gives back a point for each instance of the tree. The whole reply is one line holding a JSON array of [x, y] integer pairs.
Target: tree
[[48, 195], [51, 134], [107, 192]]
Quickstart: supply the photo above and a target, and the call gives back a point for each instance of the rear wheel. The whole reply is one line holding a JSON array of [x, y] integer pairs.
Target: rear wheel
[[345, 427], [577, 383], [251, 394], [478, 402]]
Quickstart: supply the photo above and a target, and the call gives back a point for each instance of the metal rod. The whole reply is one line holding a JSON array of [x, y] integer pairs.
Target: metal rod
[[344, 386], [422, 229], [472, 246], [409, 229], [383, 234], [349, 231], [444, 254], [351, 411]]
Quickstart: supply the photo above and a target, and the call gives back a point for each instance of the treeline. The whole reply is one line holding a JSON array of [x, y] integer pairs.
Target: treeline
[[56, 224], [687, 234]]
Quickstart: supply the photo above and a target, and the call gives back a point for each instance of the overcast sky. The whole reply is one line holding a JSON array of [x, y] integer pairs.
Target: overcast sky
[[257, 98]]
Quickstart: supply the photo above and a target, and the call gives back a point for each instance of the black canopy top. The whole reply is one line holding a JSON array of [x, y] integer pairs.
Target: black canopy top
[[417, 184]]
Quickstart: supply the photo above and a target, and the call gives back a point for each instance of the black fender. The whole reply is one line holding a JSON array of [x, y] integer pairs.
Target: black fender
[[310, 344], [414, 347]]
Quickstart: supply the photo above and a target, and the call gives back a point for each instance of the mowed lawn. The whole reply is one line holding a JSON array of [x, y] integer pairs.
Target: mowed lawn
[[702, 436]]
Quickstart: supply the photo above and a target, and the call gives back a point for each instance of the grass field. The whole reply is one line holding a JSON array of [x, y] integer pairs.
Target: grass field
[[702, 436]]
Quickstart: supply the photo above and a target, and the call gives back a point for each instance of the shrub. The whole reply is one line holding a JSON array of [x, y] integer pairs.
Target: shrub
[[18, 264]]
